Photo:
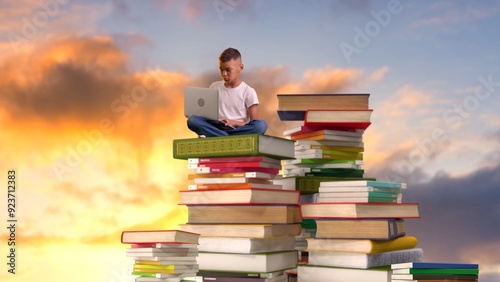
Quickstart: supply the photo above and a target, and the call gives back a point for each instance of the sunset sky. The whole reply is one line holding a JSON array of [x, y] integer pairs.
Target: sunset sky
[[91, 99]]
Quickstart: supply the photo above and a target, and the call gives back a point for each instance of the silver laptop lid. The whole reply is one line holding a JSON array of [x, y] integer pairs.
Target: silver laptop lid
[[202, 102]]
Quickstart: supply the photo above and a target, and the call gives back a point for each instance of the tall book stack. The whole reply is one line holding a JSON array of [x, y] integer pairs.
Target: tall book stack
[[329, 142], [162, 255], [360, 232], [247, 223]]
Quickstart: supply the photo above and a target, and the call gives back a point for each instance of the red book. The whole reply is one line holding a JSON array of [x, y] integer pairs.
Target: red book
[[236, 164], [221, 170], [339, 118], [234, 159]]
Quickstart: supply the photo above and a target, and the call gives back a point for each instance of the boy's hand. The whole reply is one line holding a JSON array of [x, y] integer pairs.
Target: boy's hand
[[231, 123]]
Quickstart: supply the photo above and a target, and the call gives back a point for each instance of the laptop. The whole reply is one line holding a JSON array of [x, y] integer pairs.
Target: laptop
[[202, 102]]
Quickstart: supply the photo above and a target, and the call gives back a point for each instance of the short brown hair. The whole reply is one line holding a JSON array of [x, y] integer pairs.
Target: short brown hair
[[229, 54]]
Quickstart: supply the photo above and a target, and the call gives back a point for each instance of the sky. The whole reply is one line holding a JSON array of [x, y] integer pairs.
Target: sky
[[91, 101]]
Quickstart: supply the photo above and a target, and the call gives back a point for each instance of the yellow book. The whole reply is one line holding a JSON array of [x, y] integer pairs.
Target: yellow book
[[164, 269], [156, 267], [360, 246]]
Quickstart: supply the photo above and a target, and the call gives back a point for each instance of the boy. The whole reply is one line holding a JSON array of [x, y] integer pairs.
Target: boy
[[237, 103]]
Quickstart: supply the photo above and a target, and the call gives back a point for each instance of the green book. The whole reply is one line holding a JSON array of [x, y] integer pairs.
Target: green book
[[310, 184], [344, 174], [437, 271], [234, 146]]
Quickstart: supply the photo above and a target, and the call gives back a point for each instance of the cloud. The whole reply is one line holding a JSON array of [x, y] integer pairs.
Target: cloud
[[451, 16], [457, 216]]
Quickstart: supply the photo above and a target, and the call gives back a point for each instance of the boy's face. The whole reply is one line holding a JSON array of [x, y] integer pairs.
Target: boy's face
[[230, 70]]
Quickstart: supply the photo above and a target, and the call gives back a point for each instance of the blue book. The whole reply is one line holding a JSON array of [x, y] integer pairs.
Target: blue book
[[291, 115], [421, 264]]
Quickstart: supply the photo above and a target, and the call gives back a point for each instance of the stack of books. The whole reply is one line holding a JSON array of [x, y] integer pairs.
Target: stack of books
[[329, 142], [162, 255], [434, 272], [359, 235], [247, 223]]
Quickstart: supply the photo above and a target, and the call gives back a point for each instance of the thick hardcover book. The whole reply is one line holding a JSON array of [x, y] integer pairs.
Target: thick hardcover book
[[262, 262], [245, 245], [337, 116], [360, 245], [360, 210], [360, 260], [244, 214], [319, 101], [380, 229], [310, 184], [233, 146], [239, 196], [244, 230], [318, 273]]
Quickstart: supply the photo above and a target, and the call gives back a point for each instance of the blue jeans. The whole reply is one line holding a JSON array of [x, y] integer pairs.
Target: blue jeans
[[203, 126]]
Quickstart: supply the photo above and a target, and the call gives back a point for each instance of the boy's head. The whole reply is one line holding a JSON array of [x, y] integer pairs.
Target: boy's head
[[230, 66]]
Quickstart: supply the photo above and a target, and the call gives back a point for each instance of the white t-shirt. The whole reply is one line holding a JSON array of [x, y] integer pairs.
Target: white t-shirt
[[234, 102]]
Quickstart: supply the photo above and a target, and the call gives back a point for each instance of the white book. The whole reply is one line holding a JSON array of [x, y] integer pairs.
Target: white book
[[346, 165], [359, 260], [246, 245], [261, 262], [371, 183], [307, 273], [328, 143], [333, 189]]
